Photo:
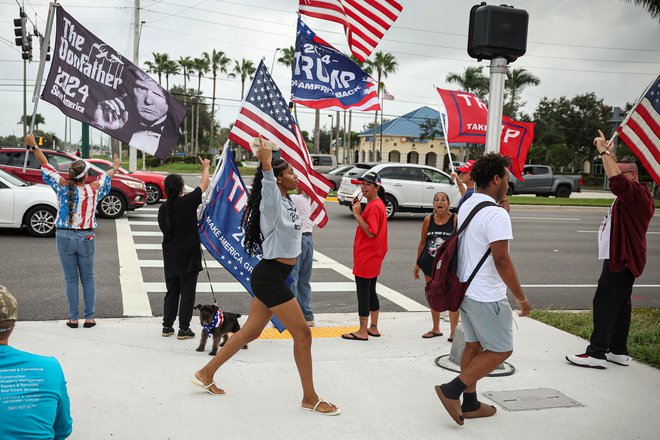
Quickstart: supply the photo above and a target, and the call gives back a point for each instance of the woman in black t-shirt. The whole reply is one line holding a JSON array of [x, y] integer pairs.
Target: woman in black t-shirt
[[177, 219], [436, 228]]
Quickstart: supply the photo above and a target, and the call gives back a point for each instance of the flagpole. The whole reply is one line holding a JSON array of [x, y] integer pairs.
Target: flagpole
[[42, 63], [444, 128]]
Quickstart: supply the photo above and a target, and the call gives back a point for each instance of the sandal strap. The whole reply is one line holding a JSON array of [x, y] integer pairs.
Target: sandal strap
[[209, 385], [321, 400]]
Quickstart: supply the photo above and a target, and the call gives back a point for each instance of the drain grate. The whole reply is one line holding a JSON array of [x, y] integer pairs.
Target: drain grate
[[539, 398]]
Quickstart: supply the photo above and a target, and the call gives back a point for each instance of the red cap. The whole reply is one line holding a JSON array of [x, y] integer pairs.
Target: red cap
[[467, 167]]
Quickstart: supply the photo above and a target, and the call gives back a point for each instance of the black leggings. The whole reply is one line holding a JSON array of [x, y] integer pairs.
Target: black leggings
[[366, 294], [180, 295]]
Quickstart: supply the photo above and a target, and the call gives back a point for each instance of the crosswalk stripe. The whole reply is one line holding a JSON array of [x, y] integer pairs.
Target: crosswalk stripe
[[132, 216], [134, 296], [146, 234], [142, 223], [233, 287], [212, 264]]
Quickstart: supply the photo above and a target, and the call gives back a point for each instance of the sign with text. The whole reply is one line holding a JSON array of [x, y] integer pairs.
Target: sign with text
[[91, 82]]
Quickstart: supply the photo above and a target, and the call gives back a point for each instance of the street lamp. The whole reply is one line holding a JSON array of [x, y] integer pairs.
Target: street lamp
[[332, 125], [272, 65]]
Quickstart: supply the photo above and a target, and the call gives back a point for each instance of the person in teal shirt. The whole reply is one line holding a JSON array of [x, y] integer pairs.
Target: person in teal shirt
[[34, 403]]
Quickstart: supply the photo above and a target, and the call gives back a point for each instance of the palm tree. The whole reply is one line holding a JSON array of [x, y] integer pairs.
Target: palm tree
[[171, 67], [158, 65], [38, 119], [516, 80], [245, 69], [218, 61], [201, 66], [287, 59], [382, 64], [471, 81], [652, 6], [187, 65]]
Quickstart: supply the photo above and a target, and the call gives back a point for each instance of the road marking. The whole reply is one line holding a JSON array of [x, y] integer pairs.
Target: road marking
[[232, 287], [212, 264], [595, 232], [146, 234], [567, 219], [132, 216], [148, 246], [384, 291], [569, 286], [134, 295], [142, 223], [149, 210]]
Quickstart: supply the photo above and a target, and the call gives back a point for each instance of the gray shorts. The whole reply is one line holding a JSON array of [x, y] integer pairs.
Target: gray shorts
[[489, 323]]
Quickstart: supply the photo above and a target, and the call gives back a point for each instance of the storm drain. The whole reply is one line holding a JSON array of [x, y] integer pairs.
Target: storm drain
[[539, 398]]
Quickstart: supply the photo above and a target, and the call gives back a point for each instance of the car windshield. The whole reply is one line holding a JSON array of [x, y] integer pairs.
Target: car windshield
[[340, 170], [358, 170], [106, 167], [13, 179]]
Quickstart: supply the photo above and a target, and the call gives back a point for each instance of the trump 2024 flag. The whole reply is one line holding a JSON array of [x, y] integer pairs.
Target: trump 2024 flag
[[219, 227], [91, 82]]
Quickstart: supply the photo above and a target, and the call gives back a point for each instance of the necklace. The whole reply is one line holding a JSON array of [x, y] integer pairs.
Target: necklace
[[439, 221]]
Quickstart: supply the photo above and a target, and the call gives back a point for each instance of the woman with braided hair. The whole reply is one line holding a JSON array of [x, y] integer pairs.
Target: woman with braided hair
[[272, 228], [182, 256], [75, 223]]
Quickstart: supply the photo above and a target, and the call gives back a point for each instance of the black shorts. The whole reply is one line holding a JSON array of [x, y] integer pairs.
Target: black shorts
[[269, 282]]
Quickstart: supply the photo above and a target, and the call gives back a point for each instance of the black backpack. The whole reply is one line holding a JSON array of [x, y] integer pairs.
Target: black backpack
[[445, 291]]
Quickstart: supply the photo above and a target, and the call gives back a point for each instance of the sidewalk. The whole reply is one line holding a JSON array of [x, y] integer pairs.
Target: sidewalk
[[128, 382]]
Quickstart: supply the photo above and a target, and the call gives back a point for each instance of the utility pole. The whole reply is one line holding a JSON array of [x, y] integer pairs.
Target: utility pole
[[132, 152]]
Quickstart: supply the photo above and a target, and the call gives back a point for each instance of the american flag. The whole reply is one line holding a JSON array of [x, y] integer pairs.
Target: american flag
[[264, 112], [387, 96], [365, 21], [641, 130]]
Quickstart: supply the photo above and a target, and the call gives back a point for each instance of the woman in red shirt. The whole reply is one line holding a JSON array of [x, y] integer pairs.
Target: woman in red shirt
[[369, 249]]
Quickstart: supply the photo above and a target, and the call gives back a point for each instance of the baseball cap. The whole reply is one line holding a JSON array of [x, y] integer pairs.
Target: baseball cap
[[7, 305], [371, 177], [467, 167]]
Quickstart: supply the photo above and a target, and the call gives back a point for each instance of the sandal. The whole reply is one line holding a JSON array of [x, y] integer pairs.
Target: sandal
[[315, 409], [71, 324], [89, 324], [207, 387]]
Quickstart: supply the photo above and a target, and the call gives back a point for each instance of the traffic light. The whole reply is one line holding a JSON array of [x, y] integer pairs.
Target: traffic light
[[27, 50], [43, 142], [19, 30]]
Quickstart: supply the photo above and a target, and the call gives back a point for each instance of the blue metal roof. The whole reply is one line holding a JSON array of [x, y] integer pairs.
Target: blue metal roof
[[406, 125]]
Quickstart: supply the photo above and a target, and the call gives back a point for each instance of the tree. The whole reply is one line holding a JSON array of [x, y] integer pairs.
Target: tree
[[430, 129], [382, 65], [218, 61], [187, 65], [570, 124], [471, 81], [170, 67], [202, 115], [244, 69], [158, 65], [38, 120], [287, 59], [516, 81], [201, 66], [652, 6]]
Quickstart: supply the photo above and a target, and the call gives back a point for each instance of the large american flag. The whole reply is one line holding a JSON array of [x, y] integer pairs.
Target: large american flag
[[365, 21], [264, 112], [641, 130]]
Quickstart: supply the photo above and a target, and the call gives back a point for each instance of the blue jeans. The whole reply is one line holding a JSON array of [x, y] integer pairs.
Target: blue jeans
[[76, 249], [301, 274]]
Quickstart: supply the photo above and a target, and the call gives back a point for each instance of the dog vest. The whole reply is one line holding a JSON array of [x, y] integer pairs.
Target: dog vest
[[218, 319]]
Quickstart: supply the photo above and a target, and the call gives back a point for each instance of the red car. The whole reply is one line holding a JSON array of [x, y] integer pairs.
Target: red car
[[154, 182], [127, 193]]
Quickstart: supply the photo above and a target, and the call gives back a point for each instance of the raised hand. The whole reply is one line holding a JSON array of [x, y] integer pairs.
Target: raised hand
[[110, 114]]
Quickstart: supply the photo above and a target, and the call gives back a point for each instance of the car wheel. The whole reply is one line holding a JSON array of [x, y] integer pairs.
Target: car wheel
[[40, 221], [112, 206], [509, 192], [154, 194], [390, 206], [563, 191]]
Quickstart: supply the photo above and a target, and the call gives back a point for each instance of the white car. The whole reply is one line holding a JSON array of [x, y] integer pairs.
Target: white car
[[24, 204], [408, 187]]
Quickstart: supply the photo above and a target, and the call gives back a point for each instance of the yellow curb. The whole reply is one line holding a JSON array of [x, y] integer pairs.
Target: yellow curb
[[317, 332], [331, 199]]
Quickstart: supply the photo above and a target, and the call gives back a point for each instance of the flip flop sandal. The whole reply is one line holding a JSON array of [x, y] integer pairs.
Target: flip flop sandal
[[334, 412], [375, 335], [199, 383], [353, 337], [429, 335], [89, 324], [71, 325]]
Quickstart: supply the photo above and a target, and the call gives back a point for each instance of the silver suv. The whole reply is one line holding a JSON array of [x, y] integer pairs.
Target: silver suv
[[408, 187]]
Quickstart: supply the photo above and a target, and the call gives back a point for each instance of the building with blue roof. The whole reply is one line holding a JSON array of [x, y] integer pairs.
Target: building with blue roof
[[401, 142]]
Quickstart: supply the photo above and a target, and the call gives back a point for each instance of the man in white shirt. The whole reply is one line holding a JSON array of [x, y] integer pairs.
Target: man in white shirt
[[485, 312]]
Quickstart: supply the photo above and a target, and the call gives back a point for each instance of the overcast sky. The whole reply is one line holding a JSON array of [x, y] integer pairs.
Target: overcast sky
[[609, 47]]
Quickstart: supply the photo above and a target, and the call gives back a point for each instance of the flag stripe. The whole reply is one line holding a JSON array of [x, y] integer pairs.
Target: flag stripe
[[643, 154], [640, 127]]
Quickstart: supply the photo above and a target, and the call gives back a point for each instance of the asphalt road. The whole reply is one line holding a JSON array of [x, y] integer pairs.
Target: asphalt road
[[554, 250]]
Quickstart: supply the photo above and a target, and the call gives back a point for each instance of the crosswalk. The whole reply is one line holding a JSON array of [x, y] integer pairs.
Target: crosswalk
[[143, 284]]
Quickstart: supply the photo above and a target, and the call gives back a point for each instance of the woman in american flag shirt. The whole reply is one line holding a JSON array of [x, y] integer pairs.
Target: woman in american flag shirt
[[75, 223]]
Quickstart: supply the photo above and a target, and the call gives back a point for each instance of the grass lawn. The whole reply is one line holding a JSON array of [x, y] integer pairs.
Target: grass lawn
[[643, 340], [554, 201]]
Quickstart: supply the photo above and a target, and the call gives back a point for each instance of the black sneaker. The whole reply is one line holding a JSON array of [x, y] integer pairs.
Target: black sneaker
[[167, 331], [185, 334]]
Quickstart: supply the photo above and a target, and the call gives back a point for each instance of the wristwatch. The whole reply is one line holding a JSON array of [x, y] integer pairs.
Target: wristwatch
[[602, 153]]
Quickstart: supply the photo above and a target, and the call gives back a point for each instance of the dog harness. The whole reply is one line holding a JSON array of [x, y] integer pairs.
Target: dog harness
[[217, 321]]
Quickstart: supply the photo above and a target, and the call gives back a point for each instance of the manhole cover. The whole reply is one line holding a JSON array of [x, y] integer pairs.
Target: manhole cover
[[539, 398]]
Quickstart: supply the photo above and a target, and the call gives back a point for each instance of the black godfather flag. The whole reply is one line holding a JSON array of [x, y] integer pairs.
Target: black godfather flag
[[91, 82]]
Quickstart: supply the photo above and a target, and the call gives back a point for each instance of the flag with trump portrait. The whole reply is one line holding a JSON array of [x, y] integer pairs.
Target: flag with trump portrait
[[325, 78], [265, 112], [640, 130], [467, 119], [219, 226]]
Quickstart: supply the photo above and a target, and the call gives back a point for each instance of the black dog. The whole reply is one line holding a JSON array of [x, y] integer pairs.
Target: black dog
[[228, 325]]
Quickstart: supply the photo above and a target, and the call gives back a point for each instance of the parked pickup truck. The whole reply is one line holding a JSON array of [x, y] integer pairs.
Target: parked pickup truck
[[540, 180]]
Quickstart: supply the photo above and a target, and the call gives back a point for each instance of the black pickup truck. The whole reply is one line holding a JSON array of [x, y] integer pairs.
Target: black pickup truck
[[540, 180]]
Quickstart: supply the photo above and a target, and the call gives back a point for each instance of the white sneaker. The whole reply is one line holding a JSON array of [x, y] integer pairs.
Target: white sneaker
[[619, 359], [310, 323], [584, 360]]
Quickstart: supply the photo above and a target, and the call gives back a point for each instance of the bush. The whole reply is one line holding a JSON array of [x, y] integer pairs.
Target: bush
[[153, 162]]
